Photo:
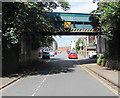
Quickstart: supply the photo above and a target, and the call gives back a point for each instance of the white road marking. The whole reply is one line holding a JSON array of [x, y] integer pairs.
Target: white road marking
[[40, 84], [36, 90], [33, 94]]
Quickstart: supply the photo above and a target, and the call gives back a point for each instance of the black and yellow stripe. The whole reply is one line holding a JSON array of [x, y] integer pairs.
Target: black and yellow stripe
[[92, 30], [73, 29], [79, 29], [86, 30]]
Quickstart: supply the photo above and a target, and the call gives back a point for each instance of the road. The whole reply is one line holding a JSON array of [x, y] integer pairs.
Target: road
[[58, 76]]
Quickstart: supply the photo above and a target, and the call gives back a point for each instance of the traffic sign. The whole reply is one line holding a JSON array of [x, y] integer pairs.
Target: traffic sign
[[67, 24]]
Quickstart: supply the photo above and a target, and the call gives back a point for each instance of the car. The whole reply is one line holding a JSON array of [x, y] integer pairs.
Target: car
[[45, 55], [92, 54], [55, 52], [52, 53], [59, 51], [73, 55]]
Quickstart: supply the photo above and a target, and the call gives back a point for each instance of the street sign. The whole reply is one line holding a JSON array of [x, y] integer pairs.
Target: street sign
[[67, 24]]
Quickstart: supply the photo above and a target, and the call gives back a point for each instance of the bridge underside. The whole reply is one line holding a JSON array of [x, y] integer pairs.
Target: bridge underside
[[71, 24], [70, 33]]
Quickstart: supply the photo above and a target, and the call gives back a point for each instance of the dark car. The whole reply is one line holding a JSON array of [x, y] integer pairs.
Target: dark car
[[46, 55], [68, 51]]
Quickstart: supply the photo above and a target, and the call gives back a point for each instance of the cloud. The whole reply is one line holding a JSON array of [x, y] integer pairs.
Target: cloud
[[83, 1], [81, 6]]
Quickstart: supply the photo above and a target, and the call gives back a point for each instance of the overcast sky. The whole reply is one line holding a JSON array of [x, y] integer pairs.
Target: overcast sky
[[77, 6]]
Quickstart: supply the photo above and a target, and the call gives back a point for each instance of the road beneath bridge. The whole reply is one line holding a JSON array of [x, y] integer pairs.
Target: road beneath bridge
[[58, 76]]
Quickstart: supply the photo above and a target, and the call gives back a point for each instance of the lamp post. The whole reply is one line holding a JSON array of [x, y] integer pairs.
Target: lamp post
[[80, 47]]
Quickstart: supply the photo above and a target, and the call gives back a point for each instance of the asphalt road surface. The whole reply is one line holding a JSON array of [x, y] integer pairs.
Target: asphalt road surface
[[58, 76]]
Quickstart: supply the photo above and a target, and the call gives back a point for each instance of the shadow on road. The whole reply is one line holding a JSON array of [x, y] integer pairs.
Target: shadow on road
[[52, 66], [87, 61]]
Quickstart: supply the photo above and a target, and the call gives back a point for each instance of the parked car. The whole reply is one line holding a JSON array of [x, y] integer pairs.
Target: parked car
[[46, 55], [59, 51], [55, 52], [73, 55], [92, 54], [52, 53]]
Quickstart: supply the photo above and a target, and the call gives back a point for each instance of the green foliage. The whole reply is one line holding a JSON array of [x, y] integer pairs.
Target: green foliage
[[94, 43], [103, 63], [109, 20], [99, 61], [101, 56], [26, 17], [109, 24], [65, 5], [77, 47]]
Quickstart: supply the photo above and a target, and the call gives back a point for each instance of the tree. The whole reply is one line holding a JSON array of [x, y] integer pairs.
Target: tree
[[77, 46], [26, 17], [109, 23]]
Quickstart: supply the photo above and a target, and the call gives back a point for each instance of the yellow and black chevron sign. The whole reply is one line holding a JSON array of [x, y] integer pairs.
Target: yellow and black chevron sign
[[86, 29], [78, 30], [92, 30], [73, 29]]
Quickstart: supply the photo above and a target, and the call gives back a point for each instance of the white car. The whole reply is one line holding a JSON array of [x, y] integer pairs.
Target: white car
[[59, 51], [92, 54], [52, 53]]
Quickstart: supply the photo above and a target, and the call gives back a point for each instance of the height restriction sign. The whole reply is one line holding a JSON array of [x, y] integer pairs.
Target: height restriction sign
[[67, 24]]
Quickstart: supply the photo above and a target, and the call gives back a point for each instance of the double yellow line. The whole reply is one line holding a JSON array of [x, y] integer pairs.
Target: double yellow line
[[105, 84]]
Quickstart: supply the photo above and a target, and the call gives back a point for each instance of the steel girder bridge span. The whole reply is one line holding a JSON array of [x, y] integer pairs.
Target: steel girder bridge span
[[72, 24]]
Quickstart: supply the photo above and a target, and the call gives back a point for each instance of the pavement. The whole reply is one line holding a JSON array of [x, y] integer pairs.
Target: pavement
[[110, 75], [104, 72]]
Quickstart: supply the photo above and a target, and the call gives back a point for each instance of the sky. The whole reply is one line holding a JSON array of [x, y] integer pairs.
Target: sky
[[76, 6]]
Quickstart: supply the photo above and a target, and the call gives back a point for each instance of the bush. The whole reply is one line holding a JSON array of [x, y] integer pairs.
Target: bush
[[101, 56], [103, 62], [99, 61]]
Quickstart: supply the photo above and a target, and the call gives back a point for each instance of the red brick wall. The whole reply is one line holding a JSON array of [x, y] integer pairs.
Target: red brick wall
[[63, 48]]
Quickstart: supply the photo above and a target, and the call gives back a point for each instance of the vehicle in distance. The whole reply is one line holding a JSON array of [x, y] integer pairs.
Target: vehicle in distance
[[55, 52], [68, 51], [45, 55], [92, 54], [73, 55], [52, 53], [59, 51]]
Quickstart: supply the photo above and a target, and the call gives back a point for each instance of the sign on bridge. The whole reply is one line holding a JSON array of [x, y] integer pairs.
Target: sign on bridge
[[67, 24]]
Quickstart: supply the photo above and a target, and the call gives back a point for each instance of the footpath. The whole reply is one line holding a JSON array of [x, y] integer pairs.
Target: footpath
[[110, 75]]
